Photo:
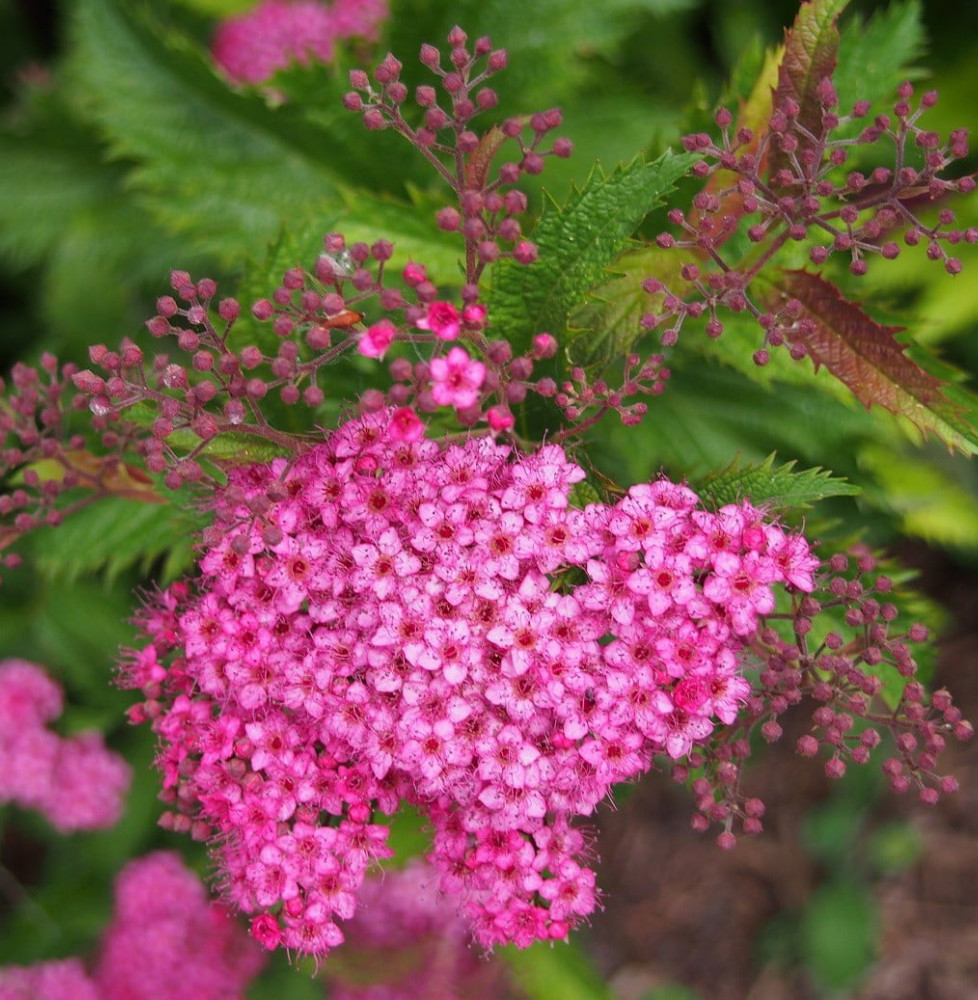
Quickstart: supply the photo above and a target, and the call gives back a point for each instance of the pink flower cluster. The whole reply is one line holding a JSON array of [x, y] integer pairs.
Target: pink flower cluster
[[424, 943], [166, 942], [77, 783], [254, 46], [383, 620]]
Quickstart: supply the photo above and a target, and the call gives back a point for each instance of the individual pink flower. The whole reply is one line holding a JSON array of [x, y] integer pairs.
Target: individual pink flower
[[456, 379], [376, 339], [406, 425], [442, 319], [254, 46]]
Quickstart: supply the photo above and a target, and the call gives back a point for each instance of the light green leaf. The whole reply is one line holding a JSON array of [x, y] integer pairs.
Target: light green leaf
[[606, 326], [218, 8], [936, 500]]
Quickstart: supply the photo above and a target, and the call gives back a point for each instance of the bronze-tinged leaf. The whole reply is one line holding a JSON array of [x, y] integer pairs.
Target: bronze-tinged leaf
[[480, 159], [106, 474], [867, 358], [811, 48]]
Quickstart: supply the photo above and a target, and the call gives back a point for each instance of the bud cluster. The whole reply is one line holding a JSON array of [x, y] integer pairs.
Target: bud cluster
[[790, 184], [46, 470], [315, 317], [842, 648], [489, 204], [584, 402]]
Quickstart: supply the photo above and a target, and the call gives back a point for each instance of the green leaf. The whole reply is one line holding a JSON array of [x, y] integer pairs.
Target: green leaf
[[113, 534], [607, 325], [709, 413], [780, 488], [875, 366], [549, 53], [218, 8], [576, 243], [548, 971], [63, 209]]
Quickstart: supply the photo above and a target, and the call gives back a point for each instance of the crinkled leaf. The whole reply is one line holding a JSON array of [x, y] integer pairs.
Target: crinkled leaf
[[777, 487], [810, 52], [577, 242], [875, 366]]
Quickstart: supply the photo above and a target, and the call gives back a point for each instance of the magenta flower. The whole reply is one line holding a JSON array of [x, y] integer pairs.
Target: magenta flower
[[375, 340], [406, 425], [456, 379], [443, 320]]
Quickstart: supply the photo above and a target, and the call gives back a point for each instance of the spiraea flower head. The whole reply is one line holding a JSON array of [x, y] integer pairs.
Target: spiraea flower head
[[386, 619]]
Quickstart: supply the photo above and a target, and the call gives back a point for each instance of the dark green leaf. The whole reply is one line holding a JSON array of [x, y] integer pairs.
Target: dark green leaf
[[839, 928], [223, 166]]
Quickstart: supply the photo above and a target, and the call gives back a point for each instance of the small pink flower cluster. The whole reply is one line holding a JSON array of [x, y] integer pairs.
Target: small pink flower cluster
[[254, 46], [424, 943], [77, 783], [166, 942], [383, 620]]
